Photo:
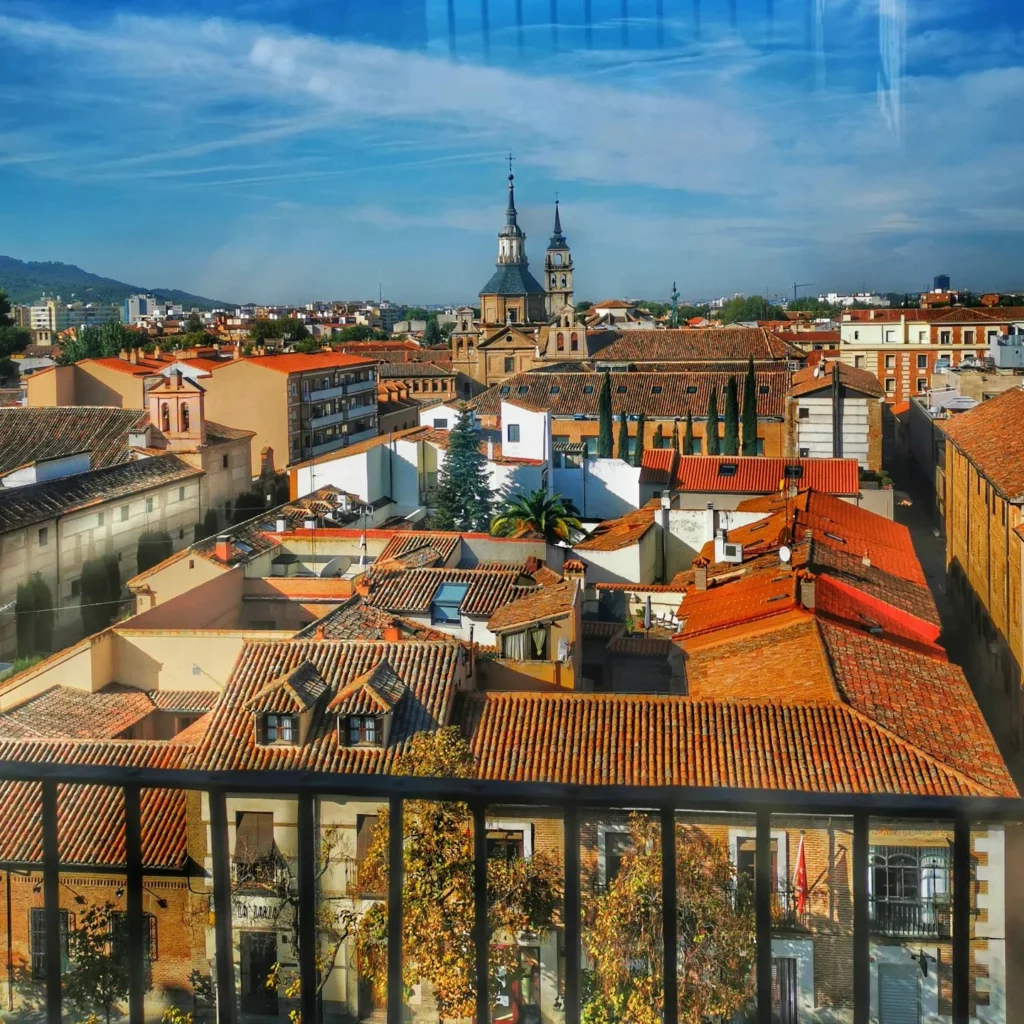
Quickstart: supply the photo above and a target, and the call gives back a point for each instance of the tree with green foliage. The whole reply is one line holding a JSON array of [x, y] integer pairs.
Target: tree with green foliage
[[675, 436], [583, 306], [295, 330], [622, 448], [604, 418], [100, 586], [247, 505], [551, 515], [96, 978], [464, 500], [638, 447], [731, 440], [417, 313], [98, 341], [432, 334], [308, 346], [712, 445], [812, 304], [193, 323], [622, 931], [688, 436], [33, 617], [658, 441], [524, 894], [194, 339], [12, 339], [154, 546], [750, 410], [359, 332], [262, 330], [208, 526], [751, 307]]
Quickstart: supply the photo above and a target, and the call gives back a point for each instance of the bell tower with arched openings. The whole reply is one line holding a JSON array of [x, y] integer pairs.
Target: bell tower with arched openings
[[558, 291], [177, 413]]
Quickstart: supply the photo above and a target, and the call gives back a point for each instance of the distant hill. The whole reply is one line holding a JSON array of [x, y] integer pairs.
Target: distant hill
[[26, 282]]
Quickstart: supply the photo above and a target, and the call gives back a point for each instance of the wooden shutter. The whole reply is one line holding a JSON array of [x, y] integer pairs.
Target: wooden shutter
[[365, 824]]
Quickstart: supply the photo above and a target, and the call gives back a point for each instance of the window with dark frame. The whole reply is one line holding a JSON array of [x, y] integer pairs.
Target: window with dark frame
[[364, 730], [253, 857], [617, 846], [119, 942], [37, 941], [279, 728]]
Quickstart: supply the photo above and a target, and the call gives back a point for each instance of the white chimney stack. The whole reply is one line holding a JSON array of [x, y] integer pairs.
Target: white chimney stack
[[282, 524], [490, 451]]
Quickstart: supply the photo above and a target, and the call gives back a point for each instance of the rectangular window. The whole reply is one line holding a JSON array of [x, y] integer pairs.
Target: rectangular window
[[922, 362], [510, 364], [890, 335], [804, 413], [100, 519], [44, 536], [890, 362], [945, 337], [362, 729], [616, 847], [909, 891], [858, 361], [253, 855], [280, 729], [447, 603], [181, 494], [76, 588], [440, 424], [124, 513], [513, 433], [506, 844], [890, 385], [968, 337], [37, 941], [856, 335], [922, 384], [149, 504]]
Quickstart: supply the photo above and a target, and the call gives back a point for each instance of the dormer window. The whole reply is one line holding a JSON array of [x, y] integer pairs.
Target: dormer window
[[280, 729], [364, 731]]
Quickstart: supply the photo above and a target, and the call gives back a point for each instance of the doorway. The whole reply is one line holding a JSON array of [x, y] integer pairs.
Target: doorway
[[258, 954]]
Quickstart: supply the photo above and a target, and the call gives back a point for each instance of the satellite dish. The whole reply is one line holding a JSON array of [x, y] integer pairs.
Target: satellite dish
[[785, 554]]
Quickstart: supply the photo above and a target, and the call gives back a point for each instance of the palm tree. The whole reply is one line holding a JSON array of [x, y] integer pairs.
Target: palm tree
[[549, 514]]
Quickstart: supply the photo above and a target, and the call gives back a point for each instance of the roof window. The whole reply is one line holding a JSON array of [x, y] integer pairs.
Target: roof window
[[447, 603], [555, 389], [727, 469], [523, 389], [691, 389], [793, 472], [588, 389], [621, 389], [763, 389], [505, 390], [656, 389]]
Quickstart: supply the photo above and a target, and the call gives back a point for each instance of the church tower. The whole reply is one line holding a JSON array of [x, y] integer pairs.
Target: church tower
[[558, 290]]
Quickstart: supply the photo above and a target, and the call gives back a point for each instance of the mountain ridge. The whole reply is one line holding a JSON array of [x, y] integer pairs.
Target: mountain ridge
[[25, 281]]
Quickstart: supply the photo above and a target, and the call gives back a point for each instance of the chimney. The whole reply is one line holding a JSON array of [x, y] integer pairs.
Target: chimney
[[391, 634], [237, 351], [807, 592], [223, 549], [490, 451], [709, 521], [133, 357], [123, 354], [282, 524], [700, 574], [318, 633]]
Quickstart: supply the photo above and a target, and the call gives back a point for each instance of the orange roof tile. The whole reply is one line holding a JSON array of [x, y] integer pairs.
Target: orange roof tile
[[297, 362], [806, 381], [550, 602], [657, 466], [990, 436], [757, 474], [614, 534]]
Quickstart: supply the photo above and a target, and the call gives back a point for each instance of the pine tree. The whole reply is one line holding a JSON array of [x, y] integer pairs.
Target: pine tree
[[688, 436], [432, 333], [464, 499], [711, 441], [750, 411], [604, 419], [638, 449], [623, 452], [731, 441]]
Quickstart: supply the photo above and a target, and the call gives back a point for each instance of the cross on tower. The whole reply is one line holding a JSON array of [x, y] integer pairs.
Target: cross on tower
[[510, 159]]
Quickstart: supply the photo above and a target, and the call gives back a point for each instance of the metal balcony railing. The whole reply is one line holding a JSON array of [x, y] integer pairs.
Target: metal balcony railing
[[668, 802], [911, 919]]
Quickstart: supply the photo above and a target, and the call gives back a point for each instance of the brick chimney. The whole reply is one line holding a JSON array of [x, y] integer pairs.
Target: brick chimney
[[391, 634], [223, 548], [574, 569], [133, 357], [807, 591], [318, 633], [700, 574]]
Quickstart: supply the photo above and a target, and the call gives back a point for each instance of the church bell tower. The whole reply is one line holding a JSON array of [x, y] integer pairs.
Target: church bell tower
[[558, 290]]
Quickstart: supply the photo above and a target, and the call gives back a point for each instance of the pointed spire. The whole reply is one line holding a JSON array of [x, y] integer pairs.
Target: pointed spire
[[510, 213], [558, 223]]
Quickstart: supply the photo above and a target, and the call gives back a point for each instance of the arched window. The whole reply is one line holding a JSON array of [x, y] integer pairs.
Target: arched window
[[563, 280], [554, 280], [909, 888], [558, 261], [165, 418], [560, 342], [184, 415], [574, 342]]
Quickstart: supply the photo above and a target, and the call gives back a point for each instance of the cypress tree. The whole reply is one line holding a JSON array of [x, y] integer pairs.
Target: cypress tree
[[33, 616], [154, 546], [688, 436], [464, 499], [623, 452], [604, 418], [638, 450], [711, 441], [101, 592], [750, 411], [675, 436], [731, 441], [659, 437]]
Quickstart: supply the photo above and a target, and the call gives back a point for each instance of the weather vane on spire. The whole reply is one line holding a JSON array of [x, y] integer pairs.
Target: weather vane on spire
[[510, 159]]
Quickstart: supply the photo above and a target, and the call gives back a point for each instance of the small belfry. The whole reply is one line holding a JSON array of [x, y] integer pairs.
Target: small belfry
[[558, 291]]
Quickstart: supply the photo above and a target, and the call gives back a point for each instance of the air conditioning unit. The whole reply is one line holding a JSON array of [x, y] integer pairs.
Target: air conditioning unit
[[732, 552]]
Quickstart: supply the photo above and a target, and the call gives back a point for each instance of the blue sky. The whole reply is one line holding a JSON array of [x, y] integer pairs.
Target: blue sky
[[284, 150]]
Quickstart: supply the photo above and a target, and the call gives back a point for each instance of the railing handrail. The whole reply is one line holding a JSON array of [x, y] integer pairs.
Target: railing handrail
[[694, 798]]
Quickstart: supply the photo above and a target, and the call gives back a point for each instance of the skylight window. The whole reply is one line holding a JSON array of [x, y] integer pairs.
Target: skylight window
[[588, 389], [621, 389], [793, 472], [447, 603], [763, 389], [523, 389], [505, 390], [727, 469], [656, 389], [555, 389], [691, 389]]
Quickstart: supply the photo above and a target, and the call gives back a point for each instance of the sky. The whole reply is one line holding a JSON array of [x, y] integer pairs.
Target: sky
[[291, 150]]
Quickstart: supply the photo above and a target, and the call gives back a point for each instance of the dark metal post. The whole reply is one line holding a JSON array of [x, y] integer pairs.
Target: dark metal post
[[396, 871], [961, 920], [51, 901], [572, 915], [307, 868], [669, 915], [481, 929], [764, 884], [225, 966], [133, 902], [861, 921]]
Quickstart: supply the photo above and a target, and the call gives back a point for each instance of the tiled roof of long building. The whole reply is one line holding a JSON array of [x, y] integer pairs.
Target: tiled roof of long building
[[990, 436], [656, 395], [708, 344], [412, 590]]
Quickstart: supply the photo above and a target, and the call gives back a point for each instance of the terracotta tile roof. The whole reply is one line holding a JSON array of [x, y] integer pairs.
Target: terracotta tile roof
[[31, 434], [639, 646], [756, 595], [145, 367], [711, 344], [954, 315], [90, 829], [656, 395], [412, 590], [918, 696], [856, 379], [657, 466], [755, 473], [65, 713], [379, 689], [541, 605], [614, 534], [391, 371], [23, 506], [356, 620], [185, 701], [990, 436], [294, 692], [296, 362], [430, 670], [655, 741], [402, 546]]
